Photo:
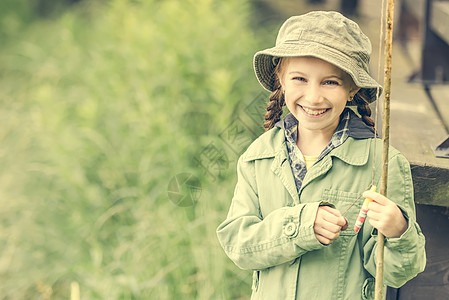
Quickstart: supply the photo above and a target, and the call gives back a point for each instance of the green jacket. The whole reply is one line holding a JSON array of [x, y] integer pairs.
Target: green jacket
[[269, 227]]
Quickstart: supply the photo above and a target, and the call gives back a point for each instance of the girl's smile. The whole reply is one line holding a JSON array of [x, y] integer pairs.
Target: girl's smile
[[313, 112]]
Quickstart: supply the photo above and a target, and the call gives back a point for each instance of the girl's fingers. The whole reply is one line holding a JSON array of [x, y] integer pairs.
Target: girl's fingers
[[379, 198], [328, 224], [322, 239], [333, 216], [329, 227], [375, 224], [376, 207], [326, 234], [373, 215], [345, 226], [384, 215]]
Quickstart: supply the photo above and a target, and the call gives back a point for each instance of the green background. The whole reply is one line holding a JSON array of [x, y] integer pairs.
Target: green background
[[103, 103]]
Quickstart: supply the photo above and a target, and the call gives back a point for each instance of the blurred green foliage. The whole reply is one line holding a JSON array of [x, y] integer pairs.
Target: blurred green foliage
[[100, 108], [14, 16]]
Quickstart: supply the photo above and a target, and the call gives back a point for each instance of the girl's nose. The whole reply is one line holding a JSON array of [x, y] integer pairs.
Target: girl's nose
[[312, 94]]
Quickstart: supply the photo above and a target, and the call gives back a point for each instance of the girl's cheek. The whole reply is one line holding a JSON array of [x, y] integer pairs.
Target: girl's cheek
[[290, 94]]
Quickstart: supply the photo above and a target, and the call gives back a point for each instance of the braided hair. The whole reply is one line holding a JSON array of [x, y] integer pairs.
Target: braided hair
[[363, 107], [277, 101]]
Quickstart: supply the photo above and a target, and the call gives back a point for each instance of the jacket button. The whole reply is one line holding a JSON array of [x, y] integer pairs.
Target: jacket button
[[290, 229]]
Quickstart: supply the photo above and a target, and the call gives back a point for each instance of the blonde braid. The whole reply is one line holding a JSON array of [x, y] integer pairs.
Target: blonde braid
[[274, 106], [363, 107], [277, 100]]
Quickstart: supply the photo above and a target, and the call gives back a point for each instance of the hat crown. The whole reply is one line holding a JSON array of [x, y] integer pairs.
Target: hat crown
[[330, 29]]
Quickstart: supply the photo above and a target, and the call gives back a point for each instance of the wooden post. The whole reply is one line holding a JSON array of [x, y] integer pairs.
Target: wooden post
[[385, 142]]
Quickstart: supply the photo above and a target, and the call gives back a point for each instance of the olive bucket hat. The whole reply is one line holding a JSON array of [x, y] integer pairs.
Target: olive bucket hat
[[326, 35]]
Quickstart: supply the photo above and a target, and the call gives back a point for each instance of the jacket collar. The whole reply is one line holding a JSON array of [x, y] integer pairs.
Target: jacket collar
[[269, 144], [272, 143], [357, 128]]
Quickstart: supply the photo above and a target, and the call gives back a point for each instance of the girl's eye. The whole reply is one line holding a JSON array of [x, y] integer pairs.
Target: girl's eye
[[300, 79], [331, 82]]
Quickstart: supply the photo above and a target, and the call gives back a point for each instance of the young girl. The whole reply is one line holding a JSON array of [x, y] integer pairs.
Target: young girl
[[292, 215]]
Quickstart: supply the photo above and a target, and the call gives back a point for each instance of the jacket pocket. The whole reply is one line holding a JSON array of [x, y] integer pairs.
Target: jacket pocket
[[346, 202], [255, 284]]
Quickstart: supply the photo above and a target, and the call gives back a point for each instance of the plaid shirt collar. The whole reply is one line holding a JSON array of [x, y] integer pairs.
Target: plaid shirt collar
[[340, 135], [350, 125]]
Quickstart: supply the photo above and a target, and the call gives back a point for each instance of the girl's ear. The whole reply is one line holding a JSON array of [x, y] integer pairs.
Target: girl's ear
[[281, 82], [353, 91], [280, 79]]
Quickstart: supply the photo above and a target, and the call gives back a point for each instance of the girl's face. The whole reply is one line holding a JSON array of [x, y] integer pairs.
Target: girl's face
[[315, 92]]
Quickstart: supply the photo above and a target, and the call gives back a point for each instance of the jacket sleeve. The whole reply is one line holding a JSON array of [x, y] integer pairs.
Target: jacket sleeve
[[256, 243], [404, 257]]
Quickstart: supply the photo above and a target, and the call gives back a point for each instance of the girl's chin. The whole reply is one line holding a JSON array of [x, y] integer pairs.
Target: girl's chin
[[316, 123]]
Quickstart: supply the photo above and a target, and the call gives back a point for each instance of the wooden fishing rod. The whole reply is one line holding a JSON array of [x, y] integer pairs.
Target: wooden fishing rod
[[378, 293]]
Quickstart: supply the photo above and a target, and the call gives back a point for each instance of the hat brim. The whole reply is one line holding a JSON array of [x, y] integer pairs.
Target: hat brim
[[264, 66]]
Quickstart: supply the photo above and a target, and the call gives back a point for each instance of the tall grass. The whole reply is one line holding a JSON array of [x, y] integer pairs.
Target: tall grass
[[100, 108]]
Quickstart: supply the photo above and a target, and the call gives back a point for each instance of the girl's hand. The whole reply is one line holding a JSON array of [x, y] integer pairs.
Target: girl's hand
[[385, 215], [328, 223]]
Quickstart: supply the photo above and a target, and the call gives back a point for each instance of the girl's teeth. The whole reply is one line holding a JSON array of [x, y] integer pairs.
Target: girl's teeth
[[314, 112]]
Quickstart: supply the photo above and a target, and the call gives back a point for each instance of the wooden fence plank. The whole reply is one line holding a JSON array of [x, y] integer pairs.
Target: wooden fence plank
[[416, 130], [440, 19]]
